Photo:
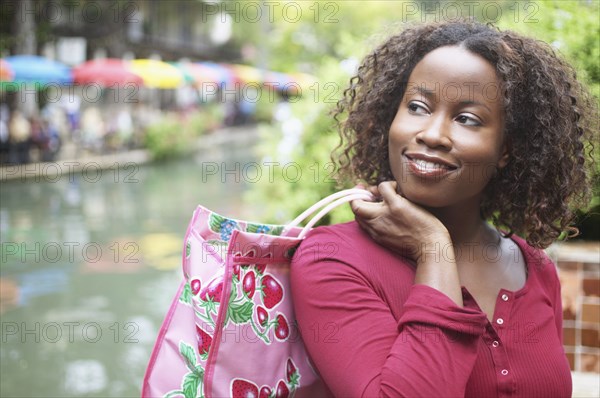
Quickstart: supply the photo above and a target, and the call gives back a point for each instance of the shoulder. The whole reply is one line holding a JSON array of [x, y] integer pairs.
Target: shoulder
[[538, 263], [348, 233], [346, 251], [345, 242], [345, 230]]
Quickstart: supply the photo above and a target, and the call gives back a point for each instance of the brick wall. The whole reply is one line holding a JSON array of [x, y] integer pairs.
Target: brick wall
[[579, 273]]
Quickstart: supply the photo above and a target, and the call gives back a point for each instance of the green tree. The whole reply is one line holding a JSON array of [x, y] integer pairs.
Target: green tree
[[326, 49]]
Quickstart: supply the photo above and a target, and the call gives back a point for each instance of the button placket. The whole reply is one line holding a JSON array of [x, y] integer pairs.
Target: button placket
[[503, 308], [492, 338], [500, 322]]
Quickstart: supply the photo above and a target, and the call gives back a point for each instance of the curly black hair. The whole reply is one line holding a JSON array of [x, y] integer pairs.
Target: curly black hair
[[549, 119]]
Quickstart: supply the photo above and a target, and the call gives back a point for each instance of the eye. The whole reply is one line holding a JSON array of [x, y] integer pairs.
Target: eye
[[418, 108], [468, 120]]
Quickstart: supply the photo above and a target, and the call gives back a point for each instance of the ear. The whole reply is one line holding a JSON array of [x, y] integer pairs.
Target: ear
[[503, 161]]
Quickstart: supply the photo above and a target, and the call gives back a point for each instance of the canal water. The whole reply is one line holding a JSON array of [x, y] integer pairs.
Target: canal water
[[90, 263]]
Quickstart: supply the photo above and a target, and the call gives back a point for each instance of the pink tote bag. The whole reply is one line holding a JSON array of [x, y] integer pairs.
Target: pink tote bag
[[231, 329]]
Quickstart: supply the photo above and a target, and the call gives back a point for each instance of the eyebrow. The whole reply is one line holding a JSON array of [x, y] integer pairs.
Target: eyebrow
[[430, 93], [470, 102], [424, 92]]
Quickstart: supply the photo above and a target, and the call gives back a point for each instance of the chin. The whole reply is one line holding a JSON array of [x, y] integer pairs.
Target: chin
[[426, 199], [428, 202]]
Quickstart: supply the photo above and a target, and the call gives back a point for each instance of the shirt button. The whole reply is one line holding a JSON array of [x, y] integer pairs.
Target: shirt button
[[504, 372], [505, 297], [495, 344], [499, 321]]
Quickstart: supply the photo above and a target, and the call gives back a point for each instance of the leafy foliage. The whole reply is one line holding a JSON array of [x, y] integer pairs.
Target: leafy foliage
[[296, 151], [572, 28], [175, 135], [327, 49]]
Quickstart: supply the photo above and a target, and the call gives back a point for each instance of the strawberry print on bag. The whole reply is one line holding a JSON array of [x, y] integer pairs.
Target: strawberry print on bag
[[231, 329], [284, 388]]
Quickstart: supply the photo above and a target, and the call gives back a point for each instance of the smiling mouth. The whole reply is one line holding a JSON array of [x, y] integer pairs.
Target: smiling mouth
[[426, 165], [425, 168]]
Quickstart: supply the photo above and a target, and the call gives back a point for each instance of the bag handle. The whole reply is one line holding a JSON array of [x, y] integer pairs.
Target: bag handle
[[330, 202], [328, 208]]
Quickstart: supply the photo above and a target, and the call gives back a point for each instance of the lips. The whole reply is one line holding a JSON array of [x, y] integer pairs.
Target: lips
[[429, 166], [425, 165]]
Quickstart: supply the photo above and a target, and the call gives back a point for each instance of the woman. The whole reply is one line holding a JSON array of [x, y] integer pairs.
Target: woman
[[455, 124]]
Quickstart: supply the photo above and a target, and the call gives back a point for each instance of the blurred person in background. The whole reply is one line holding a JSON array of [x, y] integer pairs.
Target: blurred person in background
[[4, 134], [39, 137], [93, 129], [19, 138]]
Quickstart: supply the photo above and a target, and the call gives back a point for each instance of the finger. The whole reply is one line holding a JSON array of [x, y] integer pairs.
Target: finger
[[365, 209], [371, 188], [387, 189], [397, 188], [394, 201], [375, 197]]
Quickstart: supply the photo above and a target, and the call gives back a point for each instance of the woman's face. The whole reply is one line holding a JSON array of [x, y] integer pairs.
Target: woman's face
[[446, 139]]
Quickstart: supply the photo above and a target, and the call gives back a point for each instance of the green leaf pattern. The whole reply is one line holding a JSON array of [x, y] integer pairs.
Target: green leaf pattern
[[240, 313], [191, 382], [215, 221], [191, 385], [186, 294], [188, 354]]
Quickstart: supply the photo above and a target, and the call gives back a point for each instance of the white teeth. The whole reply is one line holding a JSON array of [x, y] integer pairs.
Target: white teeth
[[425, 165]]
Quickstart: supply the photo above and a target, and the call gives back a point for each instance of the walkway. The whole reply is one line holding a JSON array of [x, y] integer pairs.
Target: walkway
[[69, 163]]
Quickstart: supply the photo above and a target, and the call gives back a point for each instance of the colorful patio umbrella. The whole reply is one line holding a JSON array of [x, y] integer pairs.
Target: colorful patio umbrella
[[247, 74], [157, 74], [188, 77], [6, 73], [277, 79], [105, 72], [197, 74], [223, 74], [36, 69]]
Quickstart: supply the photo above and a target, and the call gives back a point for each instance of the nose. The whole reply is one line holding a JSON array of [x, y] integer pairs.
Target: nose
[[435, 133]]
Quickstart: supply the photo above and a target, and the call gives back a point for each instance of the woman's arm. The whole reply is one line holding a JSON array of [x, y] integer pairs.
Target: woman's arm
[[398, 224], [356, 343]]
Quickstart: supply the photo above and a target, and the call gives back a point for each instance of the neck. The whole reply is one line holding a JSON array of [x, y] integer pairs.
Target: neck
[[465, 225]]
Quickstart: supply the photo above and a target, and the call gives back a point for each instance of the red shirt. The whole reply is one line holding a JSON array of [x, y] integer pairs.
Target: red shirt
[[371, 331]]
